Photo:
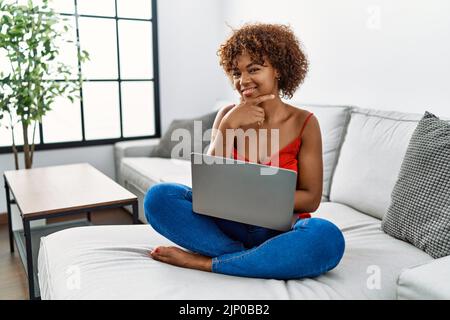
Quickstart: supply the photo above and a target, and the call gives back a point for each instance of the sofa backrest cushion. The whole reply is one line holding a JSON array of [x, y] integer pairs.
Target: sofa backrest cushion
[[371, 155], [172, 146], [333, 121]]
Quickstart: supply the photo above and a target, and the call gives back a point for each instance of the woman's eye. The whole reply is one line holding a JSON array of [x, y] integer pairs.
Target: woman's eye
[[237, 75]]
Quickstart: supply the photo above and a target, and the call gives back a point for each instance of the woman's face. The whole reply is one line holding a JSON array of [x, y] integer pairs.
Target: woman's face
[[252, 80]]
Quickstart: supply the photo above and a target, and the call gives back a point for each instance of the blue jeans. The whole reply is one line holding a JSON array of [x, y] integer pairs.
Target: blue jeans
[[312, 247]]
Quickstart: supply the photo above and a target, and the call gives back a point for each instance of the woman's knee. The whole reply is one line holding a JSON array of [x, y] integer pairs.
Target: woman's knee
[[157, 197], [330, 240], [335, 242]]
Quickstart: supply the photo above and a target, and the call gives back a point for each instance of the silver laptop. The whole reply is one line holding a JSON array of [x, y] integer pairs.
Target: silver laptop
[[245, 192]]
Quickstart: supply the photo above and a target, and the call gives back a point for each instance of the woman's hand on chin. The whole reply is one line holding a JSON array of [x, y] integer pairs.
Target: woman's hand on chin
[[247, 112]]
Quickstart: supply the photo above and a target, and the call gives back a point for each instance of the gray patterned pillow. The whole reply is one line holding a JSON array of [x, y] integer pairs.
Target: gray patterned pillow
[[166, 145], [420, 209]]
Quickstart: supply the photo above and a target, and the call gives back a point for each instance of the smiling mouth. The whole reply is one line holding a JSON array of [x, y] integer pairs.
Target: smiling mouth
[[248, 91]]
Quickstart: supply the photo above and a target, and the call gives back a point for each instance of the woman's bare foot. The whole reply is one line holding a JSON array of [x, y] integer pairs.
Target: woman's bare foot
[[181, 258]]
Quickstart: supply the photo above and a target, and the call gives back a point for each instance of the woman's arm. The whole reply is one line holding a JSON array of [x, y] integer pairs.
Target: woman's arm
[[247, 112], [218, 146], [310, 169]]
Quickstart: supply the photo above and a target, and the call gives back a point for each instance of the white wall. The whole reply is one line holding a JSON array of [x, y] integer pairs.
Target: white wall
[[190, 75], [371, 53]]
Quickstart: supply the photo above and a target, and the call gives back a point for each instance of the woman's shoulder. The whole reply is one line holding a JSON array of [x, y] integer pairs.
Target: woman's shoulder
[[227, 108], [299, 114], [305, 120], [221, 112]]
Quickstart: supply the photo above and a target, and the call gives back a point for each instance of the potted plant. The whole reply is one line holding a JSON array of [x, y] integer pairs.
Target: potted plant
[[29, 35]]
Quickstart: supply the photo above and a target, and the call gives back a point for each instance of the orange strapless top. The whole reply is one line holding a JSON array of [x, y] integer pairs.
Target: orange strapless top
[[287, 158]]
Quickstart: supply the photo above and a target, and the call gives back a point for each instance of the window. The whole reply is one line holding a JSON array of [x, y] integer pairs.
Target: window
[[120, 92]]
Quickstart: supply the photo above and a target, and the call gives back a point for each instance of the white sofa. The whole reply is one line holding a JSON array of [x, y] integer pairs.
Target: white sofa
[[363, 151]]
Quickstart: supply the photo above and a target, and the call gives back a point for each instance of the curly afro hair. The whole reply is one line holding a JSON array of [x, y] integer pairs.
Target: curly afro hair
[[275, 42]]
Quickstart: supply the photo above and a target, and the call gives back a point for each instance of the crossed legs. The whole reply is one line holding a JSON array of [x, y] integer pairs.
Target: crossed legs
[[312, 247]]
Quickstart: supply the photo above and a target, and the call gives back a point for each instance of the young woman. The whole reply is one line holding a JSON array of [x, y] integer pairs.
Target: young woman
[[264, 62]]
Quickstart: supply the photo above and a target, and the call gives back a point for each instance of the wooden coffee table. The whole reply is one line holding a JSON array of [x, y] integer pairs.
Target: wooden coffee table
[[56, 191]]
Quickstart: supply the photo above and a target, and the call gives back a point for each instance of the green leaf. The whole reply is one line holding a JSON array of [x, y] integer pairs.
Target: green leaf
[[29, 36]]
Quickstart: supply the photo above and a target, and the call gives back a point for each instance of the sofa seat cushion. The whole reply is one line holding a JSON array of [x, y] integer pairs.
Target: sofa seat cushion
[[112, 263], [428, 281], [373, 260], [143, 172]]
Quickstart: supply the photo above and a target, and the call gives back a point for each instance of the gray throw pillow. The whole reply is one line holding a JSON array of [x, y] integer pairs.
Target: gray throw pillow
[[420, 209], [166, 145]]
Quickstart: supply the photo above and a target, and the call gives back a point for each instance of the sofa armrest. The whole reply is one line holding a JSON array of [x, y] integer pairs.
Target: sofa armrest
[[132, 148], [430, 280]]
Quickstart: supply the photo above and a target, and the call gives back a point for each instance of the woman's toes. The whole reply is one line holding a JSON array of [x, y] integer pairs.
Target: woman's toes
[[181, 258], [155, 253], [166, 254]]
